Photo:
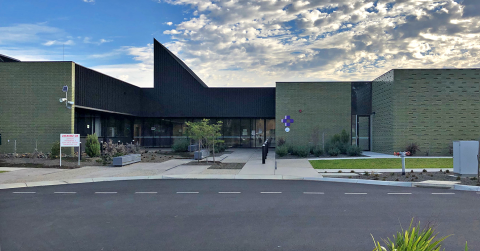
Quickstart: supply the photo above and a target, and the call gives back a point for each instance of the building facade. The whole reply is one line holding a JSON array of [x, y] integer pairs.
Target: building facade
[[430, 108]]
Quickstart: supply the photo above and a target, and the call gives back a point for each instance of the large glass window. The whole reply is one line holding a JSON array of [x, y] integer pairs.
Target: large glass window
[[245, 130], [231, 132], [259, 132], [270, 131]]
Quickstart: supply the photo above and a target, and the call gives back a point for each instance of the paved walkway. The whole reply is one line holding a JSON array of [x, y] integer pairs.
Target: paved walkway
[[175, 168]]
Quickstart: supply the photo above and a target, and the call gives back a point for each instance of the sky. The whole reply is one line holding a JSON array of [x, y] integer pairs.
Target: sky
[[246, 43]]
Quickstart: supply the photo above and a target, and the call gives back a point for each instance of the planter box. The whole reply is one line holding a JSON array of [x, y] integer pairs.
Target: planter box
[[192, 148], [127, 159], [198, 155]]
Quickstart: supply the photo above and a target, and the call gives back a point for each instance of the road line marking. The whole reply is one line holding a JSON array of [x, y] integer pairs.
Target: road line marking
[[270, 192], [478, 192], [187, 192], [313, 193], [106, 192], [64, 192], [399, 193], [443, 193], [355, 193], [229, 192], [145, 192], [24, 192]]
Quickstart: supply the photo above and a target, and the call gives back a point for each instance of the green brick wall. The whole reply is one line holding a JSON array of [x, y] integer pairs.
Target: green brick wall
[[326, 108], [382, 105], [29, 106], [431, 108]]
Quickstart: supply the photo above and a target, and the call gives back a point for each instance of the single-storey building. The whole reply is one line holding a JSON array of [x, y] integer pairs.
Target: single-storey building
[[429, 107]]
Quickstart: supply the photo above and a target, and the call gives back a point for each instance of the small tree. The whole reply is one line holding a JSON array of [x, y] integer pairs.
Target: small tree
[[92, 146], [213, 132], [198, 131]]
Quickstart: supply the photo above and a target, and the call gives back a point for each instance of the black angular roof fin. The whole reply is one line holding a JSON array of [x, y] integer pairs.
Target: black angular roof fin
[[180, 62]]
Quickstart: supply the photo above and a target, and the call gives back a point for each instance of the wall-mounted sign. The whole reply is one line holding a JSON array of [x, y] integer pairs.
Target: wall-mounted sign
[[287, 129], [287, 120]]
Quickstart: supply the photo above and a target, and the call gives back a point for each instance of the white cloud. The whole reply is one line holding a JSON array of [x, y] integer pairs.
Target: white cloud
[[56, 42], [27, 33], [169, 23], [256, 43], [89, 1], [140, 74], [88, 40]]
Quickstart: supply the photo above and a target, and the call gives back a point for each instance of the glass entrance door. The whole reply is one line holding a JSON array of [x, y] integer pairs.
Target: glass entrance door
[[363, 132]]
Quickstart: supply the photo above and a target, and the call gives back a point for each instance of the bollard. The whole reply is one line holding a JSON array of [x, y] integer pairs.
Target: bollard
[[263, 154], [402, 154]]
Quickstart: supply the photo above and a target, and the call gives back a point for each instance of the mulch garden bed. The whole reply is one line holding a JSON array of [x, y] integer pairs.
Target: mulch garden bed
[[217, 165], [416, 177]]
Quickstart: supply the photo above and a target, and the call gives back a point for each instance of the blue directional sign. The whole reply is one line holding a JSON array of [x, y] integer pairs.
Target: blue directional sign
[[65, 89]]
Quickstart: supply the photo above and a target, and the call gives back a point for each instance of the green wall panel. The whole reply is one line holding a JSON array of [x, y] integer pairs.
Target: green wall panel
[[29, 107], [326, 108]]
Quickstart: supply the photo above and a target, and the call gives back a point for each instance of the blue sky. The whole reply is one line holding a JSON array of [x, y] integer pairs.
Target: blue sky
[[119, 23], [243, 42]]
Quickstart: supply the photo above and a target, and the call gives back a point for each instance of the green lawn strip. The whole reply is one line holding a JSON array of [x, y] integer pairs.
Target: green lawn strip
[[3, 171], [395, 163]]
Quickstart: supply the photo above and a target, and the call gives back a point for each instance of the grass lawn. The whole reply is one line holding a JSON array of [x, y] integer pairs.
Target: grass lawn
[[3, 171], [383, 163]]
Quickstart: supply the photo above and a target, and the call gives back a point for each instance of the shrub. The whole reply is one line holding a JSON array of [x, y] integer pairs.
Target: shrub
[[92, 146], [290, 149], [180, 145], [317, 151], [344, 137], [111, 150], [354, 150], [302, 151], [333, 151], [220, 147], [55, 151], [413, 238], [281, 150], [412, 148], [280, 142]]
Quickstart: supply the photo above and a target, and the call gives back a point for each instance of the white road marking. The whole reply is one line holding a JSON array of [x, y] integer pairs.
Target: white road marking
[[270, 192], [187, 192], [355, 193], [313, 193], [105, 192], [145, 192], [399, 193], [478, 192], [229, 192], [64, 192], [443, 193], [24, 192]]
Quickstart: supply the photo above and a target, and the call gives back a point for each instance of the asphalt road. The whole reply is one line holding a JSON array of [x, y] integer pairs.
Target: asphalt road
[[228, 215]]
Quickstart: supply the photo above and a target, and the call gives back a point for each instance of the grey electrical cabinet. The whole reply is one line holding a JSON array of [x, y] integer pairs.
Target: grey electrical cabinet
[[465, 162]]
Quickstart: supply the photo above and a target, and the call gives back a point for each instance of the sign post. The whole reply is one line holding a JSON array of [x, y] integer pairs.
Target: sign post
[[70, 140]]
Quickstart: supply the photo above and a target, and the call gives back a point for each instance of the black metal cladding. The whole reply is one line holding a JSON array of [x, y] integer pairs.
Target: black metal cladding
[[361, 98], [6, 59], [99, 91], [178, 92]]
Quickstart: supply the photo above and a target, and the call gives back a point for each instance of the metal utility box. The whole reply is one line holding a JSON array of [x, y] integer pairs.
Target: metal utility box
[[465, 162]]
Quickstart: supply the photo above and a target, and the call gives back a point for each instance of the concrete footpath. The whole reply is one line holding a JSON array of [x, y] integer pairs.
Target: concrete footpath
[[176, 168]]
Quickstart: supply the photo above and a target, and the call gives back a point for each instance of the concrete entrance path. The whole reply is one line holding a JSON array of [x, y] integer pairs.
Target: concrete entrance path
[[296, 167]]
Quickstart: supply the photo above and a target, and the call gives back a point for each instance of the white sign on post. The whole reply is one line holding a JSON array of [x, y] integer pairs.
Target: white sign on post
[[69, 140]]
